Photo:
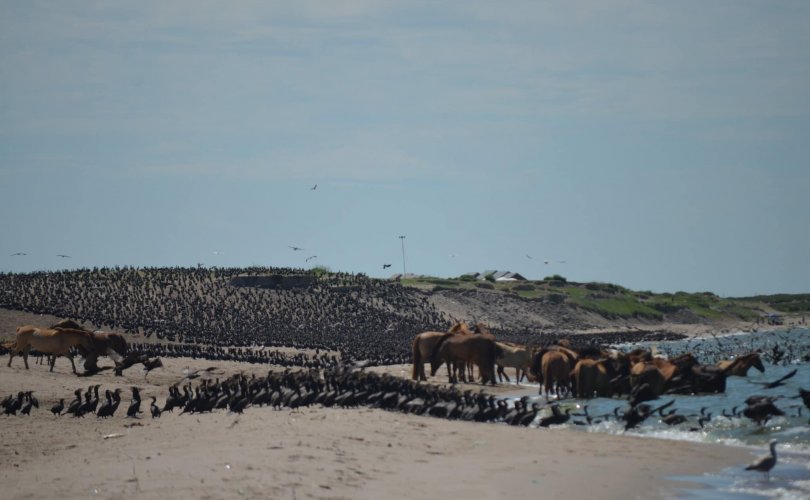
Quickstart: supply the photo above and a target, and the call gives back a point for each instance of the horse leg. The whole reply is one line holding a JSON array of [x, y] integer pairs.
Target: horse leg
[[70, 357], [25, 356], [10, 356]]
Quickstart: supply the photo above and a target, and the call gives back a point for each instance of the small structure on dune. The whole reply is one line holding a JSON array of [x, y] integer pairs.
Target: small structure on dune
[[497, 276]]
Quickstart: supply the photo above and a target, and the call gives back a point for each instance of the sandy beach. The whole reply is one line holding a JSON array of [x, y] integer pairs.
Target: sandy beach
[[312, 452]]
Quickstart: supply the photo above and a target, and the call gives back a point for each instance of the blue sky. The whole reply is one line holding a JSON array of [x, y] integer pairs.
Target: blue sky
[[659, 145]]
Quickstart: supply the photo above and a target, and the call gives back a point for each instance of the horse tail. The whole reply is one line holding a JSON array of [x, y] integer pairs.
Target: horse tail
[[536, 363], [417, 358], [496, 352]]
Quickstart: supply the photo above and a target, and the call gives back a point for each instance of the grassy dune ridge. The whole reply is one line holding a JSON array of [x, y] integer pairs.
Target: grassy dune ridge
[[325, 304], [615, 302]]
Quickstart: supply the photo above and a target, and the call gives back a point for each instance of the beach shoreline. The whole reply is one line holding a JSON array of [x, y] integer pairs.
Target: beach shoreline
[[314, 452]]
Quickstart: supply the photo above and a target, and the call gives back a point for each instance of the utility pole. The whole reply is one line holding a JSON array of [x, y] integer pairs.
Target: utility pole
[[402, 239]]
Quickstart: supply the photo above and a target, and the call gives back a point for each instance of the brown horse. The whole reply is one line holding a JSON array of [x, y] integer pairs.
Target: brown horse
[[659, 373], [740, 365], [556, 369], [56, 342], [457, 350], [104, 343], [593, 376], [425, 343], [479, 328]]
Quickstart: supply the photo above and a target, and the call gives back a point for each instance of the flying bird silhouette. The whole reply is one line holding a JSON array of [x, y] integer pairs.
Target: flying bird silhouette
[[18, 253], [529, 256], [385, 266], [295, 248], [780, 382], [313, 188], [312, 257], [63, 256]]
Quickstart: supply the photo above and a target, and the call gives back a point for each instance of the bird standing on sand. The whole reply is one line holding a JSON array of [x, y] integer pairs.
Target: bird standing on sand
[[154, 408], [58, 407], [135, 405], [765, 463]]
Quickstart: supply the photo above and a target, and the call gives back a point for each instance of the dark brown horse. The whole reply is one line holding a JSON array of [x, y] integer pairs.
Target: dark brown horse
[[458, 350], [109, 344]]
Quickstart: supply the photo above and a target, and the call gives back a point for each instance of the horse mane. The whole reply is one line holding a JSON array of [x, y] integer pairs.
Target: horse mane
[[481, 328], [460, 327], [67, 324]]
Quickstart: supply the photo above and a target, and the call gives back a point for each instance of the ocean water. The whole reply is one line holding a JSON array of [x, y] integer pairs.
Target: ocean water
[[790, 478]]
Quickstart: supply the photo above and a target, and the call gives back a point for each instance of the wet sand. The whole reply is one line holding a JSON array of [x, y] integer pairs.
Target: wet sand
[[313, 452]]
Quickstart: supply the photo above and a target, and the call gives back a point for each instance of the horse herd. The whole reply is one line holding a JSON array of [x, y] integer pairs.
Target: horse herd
[[560, 368], [564, 370]]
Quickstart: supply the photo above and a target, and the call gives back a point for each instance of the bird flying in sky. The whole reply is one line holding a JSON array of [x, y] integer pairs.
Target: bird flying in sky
[[313, 188], [18, 253], [312, 257], [295, 248], [63, 256], [385, 266]]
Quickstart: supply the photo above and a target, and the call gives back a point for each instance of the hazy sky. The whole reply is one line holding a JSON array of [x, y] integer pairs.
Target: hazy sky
[[658, 145]]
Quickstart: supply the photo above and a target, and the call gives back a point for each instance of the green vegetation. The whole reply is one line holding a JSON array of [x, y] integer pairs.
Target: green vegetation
[[321, 271], [615, 301], [789, 303]]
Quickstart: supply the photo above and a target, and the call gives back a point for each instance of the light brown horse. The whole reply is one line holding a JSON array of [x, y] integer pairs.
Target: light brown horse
[[740, 365], [56, 342], [457, 350], [424, 344], [514, 356]]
